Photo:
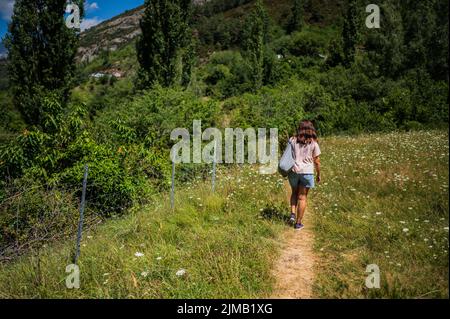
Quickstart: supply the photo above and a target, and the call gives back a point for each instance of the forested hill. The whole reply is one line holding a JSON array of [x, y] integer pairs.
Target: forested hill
[[217, 22], [236, 64]]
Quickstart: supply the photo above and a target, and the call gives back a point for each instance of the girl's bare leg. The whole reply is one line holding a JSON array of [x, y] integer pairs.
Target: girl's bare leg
[[301, 207]]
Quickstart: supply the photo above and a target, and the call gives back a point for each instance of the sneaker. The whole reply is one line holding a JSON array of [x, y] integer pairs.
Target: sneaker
[[298, 226], [292, 219]]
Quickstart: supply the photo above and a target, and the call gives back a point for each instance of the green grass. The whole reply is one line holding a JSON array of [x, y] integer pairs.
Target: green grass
[[221, 240], [383, 200]]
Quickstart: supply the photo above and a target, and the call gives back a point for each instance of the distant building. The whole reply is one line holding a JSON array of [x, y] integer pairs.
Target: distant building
[[98, 75]]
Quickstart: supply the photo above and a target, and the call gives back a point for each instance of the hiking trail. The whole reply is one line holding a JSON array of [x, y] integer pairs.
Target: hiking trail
[[294, 268]]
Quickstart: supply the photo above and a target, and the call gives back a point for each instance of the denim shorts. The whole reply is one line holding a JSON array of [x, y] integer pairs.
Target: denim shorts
[[305, 180]]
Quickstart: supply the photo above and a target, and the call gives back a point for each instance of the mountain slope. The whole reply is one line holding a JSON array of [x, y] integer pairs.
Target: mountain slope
[[110, 35], [122, 29]]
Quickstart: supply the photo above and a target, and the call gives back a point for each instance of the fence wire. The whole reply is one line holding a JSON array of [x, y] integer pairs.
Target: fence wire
[[32, 217]]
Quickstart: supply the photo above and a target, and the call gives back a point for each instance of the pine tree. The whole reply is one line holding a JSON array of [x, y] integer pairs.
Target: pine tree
[[255, 35], [41, 57], [350, 32], [165, 45], [296, 21]]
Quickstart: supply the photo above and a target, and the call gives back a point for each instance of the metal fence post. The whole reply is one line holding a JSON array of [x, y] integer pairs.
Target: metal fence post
[[172, 191], [80, 223], [213, 179]]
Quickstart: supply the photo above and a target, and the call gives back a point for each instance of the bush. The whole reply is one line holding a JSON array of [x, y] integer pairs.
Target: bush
[[303, 43], [226, 75], [152, 116], [412, 126], [110, 189], [37, 215]]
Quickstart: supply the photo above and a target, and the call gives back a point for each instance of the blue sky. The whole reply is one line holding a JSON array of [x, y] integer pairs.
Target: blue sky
[[96, 11]]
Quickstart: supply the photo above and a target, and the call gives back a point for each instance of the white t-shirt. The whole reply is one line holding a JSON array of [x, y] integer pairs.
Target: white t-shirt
[[304, 157]]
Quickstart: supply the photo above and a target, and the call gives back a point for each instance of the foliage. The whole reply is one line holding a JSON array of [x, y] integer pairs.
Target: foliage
[[350, 31], [151, 117], [249, 73], [165, 34], [41, 56], [385, 45], [297, 20], [255, 37], [226, 74], [425, 32]]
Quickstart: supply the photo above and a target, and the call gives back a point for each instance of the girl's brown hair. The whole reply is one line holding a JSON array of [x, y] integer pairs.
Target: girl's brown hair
[[306, 133]]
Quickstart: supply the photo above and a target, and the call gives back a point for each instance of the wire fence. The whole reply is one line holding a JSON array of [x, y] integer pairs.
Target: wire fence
[[32, 217]]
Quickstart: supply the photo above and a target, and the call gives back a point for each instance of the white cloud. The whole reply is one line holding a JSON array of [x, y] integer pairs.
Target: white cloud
[[91, 6], [94, 6], [6, 9], [89, 23]]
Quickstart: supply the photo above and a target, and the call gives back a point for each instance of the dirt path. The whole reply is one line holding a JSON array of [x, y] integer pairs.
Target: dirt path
[[294, 269]]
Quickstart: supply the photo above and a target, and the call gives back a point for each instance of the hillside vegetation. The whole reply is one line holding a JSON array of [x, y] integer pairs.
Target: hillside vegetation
[[382, 201], [378, 98]]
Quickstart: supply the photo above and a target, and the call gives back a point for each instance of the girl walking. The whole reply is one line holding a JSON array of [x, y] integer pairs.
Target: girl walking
[[301, 177]]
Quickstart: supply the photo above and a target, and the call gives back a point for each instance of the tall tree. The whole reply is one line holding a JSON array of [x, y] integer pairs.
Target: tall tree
[[385, 45], [426, 36], [164, 48], [296, 21], [255, 37], [42, 53], [350, 32]]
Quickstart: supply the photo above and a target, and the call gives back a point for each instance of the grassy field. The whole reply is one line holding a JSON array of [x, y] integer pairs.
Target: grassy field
[[383, 201], [221, 241]]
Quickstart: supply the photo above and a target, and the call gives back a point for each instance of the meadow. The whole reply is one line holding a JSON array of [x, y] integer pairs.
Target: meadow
[[213, 245], [383, 201]]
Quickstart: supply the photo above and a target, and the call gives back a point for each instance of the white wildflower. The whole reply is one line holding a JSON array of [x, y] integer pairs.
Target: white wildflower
[[181, 272]]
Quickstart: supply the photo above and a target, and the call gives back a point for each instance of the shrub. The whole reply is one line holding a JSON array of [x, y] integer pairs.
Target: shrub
[[153, 115], [33, 214], [226, 74]]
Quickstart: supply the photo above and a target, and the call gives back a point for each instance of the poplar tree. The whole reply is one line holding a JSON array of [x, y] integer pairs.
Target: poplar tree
[[350, 32], [164, 50], [296, 21], [255, 35], [385, 46], [41, 57], [425, 25]]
